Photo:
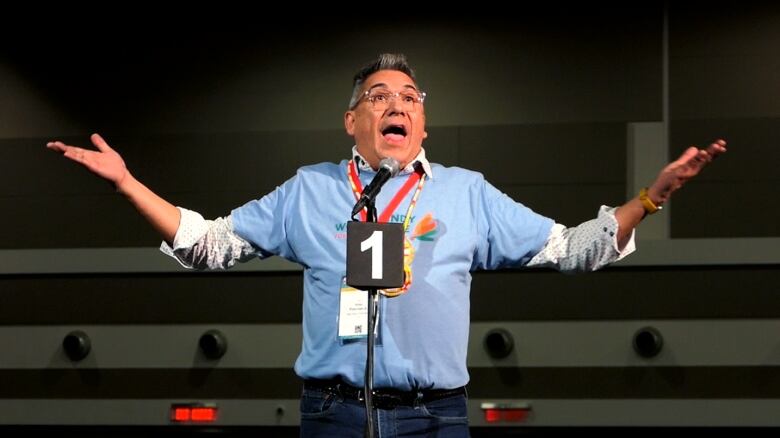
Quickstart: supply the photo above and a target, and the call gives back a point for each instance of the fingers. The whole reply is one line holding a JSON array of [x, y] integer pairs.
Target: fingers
[[716, 148], [704, 156], [72, 152], [697, 158], [687, 166], [80, 155], [56, 146], [99, 143], [77, 154], [686, 156], [97, 140]]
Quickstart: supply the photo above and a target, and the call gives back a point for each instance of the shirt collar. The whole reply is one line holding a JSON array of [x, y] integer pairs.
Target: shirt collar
[[420, 158]]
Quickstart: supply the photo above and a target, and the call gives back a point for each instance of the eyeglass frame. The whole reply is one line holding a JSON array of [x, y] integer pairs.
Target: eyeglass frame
[[420, 98]]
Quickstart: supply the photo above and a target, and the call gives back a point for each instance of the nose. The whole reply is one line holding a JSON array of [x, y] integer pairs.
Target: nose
[[395, 105]]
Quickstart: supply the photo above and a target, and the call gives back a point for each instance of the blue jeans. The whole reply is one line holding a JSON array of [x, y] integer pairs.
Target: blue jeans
[[328, 415]]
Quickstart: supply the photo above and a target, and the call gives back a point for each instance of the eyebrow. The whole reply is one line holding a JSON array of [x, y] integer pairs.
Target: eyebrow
[[382, 84]]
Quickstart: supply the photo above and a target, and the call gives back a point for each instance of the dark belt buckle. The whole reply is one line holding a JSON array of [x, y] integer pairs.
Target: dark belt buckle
[[344, 391], [386, 401]]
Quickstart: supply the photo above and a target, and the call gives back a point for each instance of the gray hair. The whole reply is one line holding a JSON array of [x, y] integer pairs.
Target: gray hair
[[385, 61]]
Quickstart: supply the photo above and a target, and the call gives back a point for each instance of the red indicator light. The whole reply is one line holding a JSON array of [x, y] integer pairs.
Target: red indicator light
[[506, 412], [180, 414], [516, 415], [204, 414], [492, 415], [193, 413]]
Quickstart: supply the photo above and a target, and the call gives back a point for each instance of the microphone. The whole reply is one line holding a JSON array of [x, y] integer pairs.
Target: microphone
[[388, 167]]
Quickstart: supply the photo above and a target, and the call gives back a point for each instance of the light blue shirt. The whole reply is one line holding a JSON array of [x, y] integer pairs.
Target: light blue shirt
[[423, 334]]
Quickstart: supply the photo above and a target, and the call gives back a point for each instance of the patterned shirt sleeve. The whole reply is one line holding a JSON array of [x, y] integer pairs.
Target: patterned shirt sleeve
[[586, 247], [206, 244]]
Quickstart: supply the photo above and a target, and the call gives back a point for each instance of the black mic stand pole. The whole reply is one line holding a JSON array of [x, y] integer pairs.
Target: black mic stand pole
[[373, 311]]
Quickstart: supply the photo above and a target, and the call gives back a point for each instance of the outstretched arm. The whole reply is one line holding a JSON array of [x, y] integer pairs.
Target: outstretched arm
[[108, 164], [595, 243], [671, 178]]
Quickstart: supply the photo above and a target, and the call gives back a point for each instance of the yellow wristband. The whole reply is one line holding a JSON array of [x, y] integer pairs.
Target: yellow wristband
[[648, 203]]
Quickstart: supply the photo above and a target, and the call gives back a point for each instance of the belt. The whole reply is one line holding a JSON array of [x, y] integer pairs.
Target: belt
[[383, 398]]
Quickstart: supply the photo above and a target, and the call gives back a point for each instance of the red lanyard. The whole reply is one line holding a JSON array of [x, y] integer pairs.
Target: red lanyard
[[357, 189]]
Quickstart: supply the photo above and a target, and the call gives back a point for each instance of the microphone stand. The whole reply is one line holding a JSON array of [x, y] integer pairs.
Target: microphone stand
[[373, 311]]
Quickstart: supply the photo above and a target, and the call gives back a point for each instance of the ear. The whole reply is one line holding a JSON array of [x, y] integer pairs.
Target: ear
[[425, 134], [349, 122]]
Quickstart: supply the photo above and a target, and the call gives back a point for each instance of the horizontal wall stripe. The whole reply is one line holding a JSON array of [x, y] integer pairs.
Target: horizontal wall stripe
[[692, 292], [651, 253], [565, 343], [279, 417], [505, 383]]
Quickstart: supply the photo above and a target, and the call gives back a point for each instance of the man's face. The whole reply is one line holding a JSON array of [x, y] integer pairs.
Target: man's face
[[395, 131]]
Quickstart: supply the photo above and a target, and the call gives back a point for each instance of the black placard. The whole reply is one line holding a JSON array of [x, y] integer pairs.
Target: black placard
[[366, 266]]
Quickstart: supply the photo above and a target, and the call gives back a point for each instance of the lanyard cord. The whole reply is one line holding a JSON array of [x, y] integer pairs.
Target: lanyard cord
[[357, 188]]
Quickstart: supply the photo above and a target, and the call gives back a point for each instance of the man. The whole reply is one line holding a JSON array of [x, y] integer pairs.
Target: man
[[455, 223]]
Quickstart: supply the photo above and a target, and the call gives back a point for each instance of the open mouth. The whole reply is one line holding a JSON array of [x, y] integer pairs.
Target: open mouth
[[394, 133]]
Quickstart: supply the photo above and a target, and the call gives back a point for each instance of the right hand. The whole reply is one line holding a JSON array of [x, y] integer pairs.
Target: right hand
[[104, 162], [678, 172]]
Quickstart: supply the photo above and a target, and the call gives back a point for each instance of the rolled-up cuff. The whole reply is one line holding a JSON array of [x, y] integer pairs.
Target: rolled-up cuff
[[607, 216]]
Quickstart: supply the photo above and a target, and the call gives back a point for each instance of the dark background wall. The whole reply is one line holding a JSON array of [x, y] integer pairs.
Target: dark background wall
[[537, 102], [724, 69]]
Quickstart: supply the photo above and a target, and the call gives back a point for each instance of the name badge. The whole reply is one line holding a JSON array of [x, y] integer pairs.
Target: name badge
[[353, 313]]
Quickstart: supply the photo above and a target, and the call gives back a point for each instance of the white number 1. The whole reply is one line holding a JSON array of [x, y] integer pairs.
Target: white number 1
[[374, 243]]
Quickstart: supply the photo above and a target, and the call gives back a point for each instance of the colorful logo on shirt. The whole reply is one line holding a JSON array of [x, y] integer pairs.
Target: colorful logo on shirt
[[425, 230]]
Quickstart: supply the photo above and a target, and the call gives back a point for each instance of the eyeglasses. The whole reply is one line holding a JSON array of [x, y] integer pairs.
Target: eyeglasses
[[407, 100]]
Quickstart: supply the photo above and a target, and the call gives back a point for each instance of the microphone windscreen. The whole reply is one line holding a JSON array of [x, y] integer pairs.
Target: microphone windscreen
[[390, 164]]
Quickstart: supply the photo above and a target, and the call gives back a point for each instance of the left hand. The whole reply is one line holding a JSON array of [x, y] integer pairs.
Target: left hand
[[678, 172]]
